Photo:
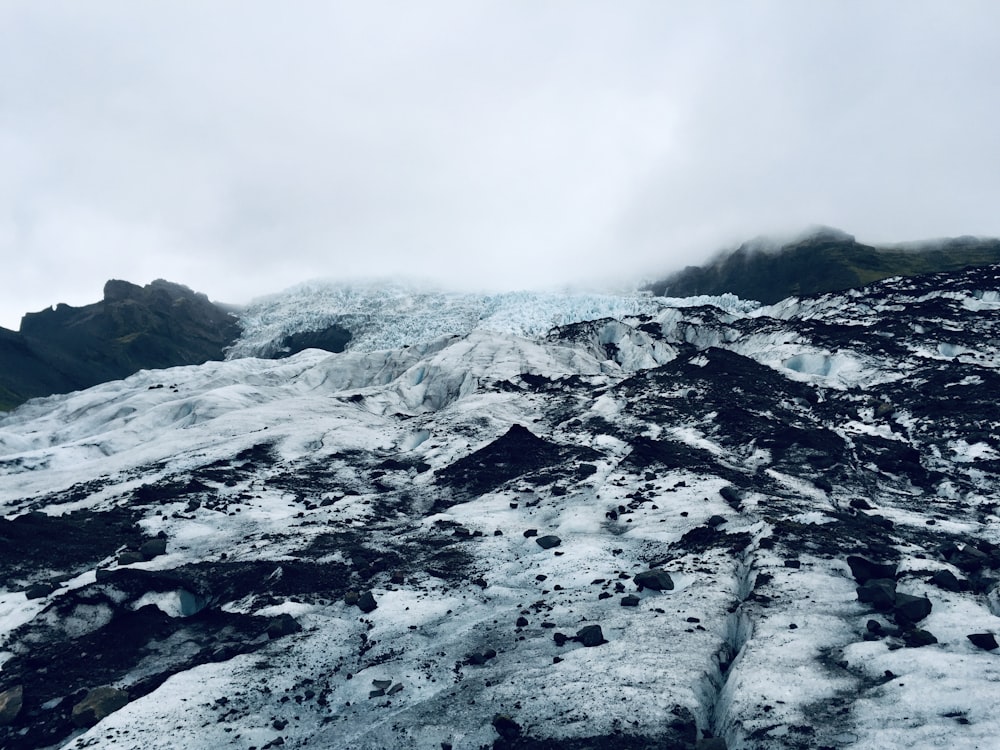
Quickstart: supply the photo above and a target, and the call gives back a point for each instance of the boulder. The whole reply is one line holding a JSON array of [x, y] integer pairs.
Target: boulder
[[656, 579], [282, 625], [985, 641], [590, 635], [879, 592], [39, 590], [366, 602], [945, 579], [630, 601], [98, 703], [865, 570], [916, 638], [11, 701], [130, 556], [548, 542], [908, 609], [153, 548], [506, 727]]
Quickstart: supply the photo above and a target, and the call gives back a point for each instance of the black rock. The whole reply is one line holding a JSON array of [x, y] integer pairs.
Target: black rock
[[548, 542], [522, 622], [39, 590], [590, 635], [945, 579], [630, 601], [716, 520], [506, 727], [879, 592], [528, 533], [560, 638], [732, 496], [793, 564], [909, 609], [860, 504], [916, 638], [985, 641], [130, 556], [11, 701], [865, 570], [366, 602], [282, 625], [969, 559], [153, 548], [656, 579]]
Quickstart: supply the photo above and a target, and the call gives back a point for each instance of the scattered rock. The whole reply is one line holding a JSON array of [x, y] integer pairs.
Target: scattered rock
[[153, 548], [590, 635], [521, 622], [630, 601], [130, 557], [39, 590], [655, 578], [879, 592], [985, 641], [865, 570], [99, 703], [945, 579], [366, 602], [506, 727], [716, 521], [793, 564], [11, 701], [916, 638], [282, 625], [911, 608], [732, 496], [860, 504], [528, 533], [548, 542]]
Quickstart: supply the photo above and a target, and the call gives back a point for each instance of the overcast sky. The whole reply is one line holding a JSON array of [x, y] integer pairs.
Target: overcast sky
[[242, 147]]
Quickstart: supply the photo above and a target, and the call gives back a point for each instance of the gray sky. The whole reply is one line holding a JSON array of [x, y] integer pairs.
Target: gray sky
[[241, 147]]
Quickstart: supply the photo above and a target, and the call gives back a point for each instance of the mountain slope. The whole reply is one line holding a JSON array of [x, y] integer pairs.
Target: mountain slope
[[824, 261], [773, 528], [65, 349]]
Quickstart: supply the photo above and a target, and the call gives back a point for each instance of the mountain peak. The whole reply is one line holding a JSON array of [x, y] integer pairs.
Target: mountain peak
[[820, 260]]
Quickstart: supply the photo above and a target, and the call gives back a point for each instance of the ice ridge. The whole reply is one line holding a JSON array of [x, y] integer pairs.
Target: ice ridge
[[390, 316]]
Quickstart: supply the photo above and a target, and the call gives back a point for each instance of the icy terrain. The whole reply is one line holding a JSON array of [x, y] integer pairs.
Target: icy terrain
[[782, 522], [390, 316]]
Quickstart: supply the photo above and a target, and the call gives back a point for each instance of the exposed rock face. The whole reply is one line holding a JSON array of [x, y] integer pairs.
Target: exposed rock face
[[11, 701], [98, 703], [132, 328]]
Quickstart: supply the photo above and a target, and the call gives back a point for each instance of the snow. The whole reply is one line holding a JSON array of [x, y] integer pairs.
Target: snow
[[757, 650], [392, 316]]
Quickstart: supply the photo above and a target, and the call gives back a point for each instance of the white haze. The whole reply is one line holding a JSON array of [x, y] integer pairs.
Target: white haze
[[241, 148]]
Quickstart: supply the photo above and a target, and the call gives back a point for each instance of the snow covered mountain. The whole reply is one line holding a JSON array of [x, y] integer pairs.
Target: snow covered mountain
[[651, 525]]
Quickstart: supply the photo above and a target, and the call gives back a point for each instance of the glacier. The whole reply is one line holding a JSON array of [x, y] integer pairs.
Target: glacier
[[391, 315], [345, 548]]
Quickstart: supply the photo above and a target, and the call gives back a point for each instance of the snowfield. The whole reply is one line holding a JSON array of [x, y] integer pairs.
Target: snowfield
[[521, 521]]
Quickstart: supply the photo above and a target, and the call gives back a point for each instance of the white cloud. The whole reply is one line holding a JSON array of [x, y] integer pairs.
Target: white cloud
[[238, 149]]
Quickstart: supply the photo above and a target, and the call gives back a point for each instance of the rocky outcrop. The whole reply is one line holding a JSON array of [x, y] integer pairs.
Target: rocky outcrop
[[65, 348], [826, 260], [98, 703]]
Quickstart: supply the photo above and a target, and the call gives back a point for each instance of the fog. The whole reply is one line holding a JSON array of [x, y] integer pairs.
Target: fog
[[243, 147]]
